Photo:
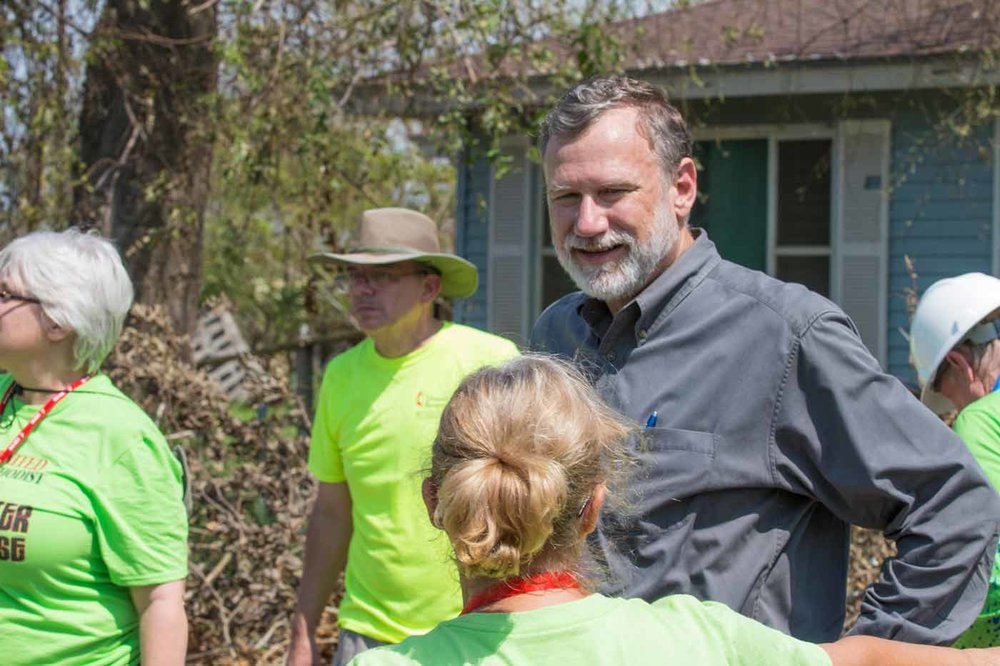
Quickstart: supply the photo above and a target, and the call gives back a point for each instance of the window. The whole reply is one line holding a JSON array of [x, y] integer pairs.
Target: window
[[801, 238]]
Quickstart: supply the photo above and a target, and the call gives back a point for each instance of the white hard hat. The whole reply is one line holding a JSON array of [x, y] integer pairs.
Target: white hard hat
[[947, 313]]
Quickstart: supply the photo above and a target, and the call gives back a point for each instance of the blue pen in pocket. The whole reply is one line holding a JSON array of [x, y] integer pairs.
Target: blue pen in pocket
[[651, 421]]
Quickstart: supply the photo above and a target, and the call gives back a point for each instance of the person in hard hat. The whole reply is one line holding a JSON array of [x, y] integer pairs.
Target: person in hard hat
[[955, 347]]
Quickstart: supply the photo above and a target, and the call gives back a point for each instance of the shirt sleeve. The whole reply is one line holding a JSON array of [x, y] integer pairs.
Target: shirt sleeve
[[324, 449], [980, 431], [380, 656], [504, 352], [141, 522], [857, 440], [751, 643]]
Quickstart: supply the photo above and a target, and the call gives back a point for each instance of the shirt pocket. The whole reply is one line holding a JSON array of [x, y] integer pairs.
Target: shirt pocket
[[675, 464]]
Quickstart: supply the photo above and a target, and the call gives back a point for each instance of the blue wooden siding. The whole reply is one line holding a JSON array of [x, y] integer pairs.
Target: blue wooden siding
[[940, 215], [472, 233]]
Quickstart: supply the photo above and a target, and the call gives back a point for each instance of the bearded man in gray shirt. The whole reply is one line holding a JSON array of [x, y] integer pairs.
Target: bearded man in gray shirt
[[770, 427]]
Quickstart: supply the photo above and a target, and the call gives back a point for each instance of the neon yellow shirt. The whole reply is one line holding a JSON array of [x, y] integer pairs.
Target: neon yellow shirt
[[979, 427], [90, 505], [599, 630], [375, 422]]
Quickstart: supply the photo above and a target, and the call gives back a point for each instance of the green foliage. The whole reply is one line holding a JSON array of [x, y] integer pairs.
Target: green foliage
[[310, 131], [38, 75], [307, 124]]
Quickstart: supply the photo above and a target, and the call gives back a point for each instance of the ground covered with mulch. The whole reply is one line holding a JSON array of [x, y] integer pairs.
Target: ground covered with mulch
[[251, 493]]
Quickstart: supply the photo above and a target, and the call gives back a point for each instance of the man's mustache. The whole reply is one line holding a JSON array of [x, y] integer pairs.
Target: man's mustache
[[607, 241]]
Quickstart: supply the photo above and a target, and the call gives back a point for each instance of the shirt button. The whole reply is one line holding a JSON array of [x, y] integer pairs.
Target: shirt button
[[643, 333], [611, 356]]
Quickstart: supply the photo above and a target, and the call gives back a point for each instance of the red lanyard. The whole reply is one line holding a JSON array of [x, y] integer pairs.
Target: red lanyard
[[547, 580], [6, 454]]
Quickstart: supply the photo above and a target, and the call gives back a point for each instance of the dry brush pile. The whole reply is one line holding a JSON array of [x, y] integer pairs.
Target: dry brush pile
[[251, 493]]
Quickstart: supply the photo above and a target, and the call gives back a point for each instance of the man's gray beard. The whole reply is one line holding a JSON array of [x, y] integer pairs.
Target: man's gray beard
[[623, 279]]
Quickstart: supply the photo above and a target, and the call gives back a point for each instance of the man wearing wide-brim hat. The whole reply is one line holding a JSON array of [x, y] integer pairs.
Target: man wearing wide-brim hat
[[376, 419]]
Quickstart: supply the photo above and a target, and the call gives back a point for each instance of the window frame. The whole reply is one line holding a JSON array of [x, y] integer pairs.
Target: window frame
[[774, 134]]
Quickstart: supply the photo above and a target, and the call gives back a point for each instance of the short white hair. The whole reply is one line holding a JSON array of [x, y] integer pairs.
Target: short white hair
[[81, 283]]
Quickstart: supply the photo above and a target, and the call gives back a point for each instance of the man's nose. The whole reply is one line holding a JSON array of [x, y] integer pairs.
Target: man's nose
[[360, 284], [591, 218]]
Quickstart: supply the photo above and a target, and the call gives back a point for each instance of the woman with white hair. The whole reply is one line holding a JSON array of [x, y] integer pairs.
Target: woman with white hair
[[93, 531], [520, 469]]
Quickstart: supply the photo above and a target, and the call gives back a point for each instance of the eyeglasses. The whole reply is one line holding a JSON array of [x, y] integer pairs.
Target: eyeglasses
[[7, 296], [375, 279]]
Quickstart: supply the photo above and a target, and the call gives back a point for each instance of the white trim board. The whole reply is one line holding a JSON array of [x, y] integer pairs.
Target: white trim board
[[810, 79], [763, 131], [511, 250], [772, 204], [996, 196], [849, 134]]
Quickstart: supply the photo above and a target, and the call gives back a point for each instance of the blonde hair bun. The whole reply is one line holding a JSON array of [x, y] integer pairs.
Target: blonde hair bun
[[520, 449]]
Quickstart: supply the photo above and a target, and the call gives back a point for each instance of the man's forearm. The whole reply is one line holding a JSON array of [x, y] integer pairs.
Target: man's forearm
[[325, 557], [327, 540], [889, 463], [877, 619]]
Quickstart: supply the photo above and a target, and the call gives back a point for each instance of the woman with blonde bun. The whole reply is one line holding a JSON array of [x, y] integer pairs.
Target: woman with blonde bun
[[520, 470]]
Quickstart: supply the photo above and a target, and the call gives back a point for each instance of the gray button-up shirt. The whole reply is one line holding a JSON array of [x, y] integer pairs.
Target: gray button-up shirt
[[775, 430]]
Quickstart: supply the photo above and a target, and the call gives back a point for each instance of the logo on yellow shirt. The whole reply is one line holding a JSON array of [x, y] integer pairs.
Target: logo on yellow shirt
[[24, 468]]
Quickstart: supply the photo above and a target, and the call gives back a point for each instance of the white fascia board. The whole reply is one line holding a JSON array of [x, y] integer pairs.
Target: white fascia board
[[807, 79], [996, 196]]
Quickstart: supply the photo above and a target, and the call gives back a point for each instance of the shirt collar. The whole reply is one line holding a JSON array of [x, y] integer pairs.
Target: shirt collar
[[659, 298]]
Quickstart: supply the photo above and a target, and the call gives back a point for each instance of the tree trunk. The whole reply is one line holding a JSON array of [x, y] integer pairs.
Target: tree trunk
[[146, 149]]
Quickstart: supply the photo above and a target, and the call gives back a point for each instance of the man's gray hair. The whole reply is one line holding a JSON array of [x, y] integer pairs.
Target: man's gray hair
[[661, 123], [81, 283], [985, 357]]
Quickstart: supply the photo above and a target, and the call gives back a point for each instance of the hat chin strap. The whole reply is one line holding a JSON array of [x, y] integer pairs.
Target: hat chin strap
[[984, 333]]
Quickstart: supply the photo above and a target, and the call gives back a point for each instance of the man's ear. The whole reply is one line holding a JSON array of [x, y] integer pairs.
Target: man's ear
[[960, 364], [592, 510], [686, 184], [429, 493], [431, 288]]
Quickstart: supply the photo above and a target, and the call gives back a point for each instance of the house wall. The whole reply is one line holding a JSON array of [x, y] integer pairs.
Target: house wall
[[471, 234], [940, 215]]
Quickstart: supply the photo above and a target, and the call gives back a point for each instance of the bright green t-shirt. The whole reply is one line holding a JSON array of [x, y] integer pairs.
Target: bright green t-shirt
[[603, 631], [979, 427], [90, 505], [375, 422]]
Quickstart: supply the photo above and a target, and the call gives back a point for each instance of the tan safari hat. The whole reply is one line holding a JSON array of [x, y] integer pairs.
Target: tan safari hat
[[392, 235]]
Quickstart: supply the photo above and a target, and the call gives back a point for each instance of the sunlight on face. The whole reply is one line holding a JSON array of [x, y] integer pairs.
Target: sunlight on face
[[622, 279]]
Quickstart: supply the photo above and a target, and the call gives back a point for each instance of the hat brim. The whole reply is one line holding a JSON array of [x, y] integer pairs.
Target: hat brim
[[459, 277]]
